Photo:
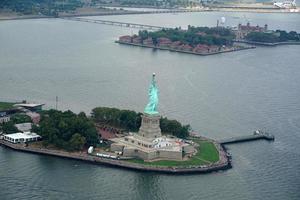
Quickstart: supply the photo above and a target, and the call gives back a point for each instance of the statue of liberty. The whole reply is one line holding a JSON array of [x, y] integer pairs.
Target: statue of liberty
[[151, 107]]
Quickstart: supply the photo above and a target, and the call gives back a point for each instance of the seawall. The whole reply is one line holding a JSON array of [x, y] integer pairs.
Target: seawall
[[222, 164]]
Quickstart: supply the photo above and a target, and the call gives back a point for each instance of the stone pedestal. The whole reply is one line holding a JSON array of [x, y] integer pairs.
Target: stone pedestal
[[150, 126]]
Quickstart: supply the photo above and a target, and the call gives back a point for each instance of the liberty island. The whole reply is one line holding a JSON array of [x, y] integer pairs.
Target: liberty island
[[148, 149]]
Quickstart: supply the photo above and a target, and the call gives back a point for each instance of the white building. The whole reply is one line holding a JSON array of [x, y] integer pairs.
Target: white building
[[4, 119], [21, 137]]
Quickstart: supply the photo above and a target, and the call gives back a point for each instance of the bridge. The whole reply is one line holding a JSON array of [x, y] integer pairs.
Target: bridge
[[116, 23], [257, 135]]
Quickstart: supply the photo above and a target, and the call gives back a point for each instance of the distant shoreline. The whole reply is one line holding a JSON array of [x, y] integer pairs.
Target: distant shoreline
[[14, 16], [22, 17], [183, 51]]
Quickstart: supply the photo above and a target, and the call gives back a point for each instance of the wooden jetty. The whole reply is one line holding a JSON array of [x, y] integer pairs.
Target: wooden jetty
[[257, 135], [116, 23]]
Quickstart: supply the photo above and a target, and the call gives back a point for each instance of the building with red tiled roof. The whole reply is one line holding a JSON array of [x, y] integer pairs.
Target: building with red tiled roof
[[137, 40], [201, 48], [244, 30], [125, 38], [186, 47], [164, 42], [148, 41], [175, 45]]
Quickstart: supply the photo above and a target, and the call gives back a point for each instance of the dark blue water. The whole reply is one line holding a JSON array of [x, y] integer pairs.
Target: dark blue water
[[220, 96]]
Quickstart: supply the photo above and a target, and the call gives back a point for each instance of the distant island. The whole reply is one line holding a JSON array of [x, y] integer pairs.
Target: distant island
[[194, 40], [209, 41], [263, 36]]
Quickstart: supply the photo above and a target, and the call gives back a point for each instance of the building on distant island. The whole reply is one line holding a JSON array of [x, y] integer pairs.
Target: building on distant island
[[136, 39], [186, 47], [201, 48], [243, 30], [148, 41], [164, 42], [149, 143], [125, 38], [176, 45]]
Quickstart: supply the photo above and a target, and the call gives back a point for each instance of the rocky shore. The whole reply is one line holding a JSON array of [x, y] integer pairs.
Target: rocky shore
[[222, 164]]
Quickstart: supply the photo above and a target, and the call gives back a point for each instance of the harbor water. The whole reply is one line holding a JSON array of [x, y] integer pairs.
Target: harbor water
[[220, 96]]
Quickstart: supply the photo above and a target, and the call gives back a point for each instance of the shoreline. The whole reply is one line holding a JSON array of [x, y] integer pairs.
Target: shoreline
[[23, 17], [183, 51], [223, 163], [131, 12], [268, 43]]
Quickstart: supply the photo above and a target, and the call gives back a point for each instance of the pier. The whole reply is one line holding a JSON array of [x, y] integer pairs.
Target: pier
[[116, 23], [257, 135]]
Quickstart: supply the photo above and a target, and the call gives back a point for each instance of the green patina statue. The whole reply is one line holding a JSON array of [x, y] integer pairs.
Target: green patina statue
[[151, 107]]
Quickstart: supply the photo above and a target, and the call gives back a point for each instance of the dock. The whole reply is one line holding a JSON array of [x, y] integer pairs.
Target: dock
[[257, 135]]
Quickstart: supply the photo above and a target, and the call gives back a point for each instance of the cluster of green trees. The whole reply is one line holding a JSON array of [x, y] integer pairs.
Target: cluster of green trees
[[126, 119], [131, 121], [66, 130], [8, 127], [46, 7], [174, 127], [193, 35], [20, 118], [277, 36]]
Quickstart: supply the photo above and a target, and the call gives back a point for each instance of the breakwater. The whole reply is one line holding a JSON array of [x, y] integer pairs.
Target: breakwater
[[183, 51], [257, 135], [222, 164]]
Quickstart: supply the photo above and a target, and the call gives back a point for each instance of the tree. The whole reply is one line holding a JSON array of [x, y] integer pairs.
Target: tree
[[9, 127], [77, 142], [20, 118], [59, 129]]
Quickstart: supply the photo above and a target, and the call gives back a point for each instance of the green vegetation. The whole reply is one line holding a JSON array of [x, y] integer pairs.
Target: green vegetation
[[207, 154], [45, 7], [127, 119], [131, 121], [20, 118], [173, 127], [277, 36], [9, 127], [66, 130], [6, 105], [193, 35]]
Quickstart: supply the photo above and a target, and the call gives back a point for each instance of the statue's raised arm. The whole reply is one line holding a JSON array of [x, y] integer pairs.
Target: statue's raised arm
[[151, 107]]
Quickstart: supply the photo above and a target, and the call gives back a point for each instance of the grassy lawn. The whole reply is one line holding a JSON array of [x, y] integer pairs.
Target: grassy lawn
[[6, 105], [207, 153]]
